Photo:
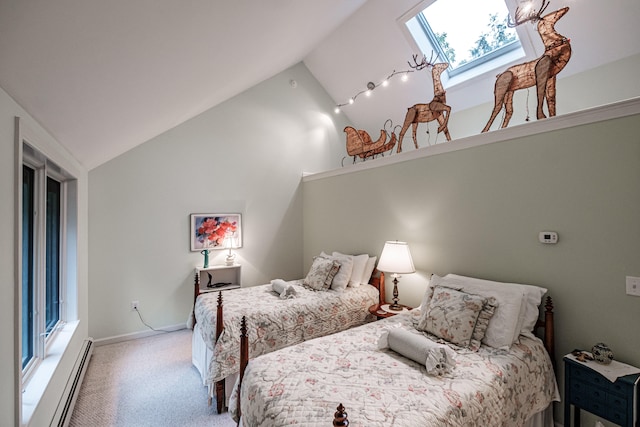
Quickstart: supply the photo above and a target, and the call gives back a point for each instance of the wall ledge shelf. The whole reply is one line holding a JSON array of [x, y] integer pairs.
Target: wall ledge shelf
[[591, 115]]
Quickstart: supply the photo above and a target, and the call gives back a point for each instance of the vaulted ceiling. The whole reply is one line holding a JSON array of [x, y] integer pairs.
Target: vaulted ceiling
[[105, 76]]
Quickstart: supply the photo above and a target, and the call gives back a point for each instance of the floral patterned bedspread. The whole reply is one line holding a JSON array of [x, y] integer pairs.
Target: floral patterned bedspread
[[304, 384], [275, 323]]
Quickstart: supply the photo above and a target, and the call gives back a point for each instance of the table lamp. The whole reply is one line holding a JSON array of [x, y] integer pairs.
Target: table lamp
[[396, 259]]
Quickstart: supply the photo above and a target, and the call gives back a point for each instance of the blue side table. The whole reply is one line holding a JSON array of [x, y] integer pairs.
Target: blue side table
[[586, 388]]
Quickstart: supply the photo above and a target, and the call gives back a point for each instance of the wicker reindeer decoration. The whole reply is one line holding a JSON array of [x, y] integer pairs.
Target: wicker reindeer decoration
[[437, 109], [540, 72]]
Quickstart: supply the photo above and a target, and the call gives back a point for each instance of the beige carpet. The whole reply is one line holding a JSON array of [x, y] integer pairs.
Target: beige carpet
[[145, 382]]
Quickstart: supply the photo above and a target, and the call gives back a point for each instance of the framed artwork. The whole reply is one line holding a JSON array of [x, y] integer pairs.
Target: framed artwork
[[216, 231]]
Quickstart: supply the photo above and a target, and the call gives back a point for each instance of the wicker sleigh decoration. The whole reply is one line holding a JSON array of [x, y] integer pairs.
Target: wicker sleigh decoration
[[359, 143], [540, 72]]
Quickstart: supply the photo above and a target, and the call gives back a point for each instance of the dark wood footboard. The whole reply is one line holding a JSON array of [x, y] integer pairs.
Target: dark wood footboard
[[219, 385], [244, 356], [340, 417]]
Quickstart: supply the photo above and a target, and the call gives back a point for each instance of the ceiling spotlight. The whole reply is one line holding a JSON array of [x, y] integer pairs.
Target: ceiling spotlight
[[351, 101], [385, 83], [337, 110]]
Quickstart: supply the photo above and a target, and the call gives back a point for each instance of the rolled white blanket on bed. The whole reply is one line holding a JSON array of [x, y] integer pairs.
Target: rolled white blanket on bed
[[283, 289], [437, 358]]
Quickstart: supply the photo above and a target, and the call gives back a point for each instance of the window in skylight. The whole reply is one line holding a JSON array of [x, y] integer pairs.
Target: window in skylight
[[467, 34]]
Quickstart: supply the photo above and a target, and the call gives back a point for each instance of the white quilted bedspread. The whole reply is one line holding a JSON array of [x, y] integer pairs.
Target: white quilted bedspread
[[303, 385], [276, 323]]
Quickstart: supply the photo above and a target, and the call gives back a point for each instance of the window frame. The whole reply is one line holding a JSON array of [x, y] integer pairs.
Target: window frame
[[30, 385], [462, 75], [44, 169]]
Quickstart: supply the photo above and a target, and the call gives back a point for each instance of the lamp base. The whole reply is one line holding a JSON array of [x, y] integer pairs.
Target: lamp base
[[230, 260], [386, 308], [396, 307]]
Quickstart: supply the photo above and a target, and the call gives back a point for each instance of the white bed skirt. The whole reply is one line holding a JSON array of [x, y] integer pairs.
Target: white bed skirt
[[201, 358], [543, 418]]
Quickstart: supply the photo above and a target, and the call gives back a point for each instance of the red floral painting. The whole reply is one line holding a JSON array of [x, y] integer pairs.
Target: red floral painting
[[209, 231]]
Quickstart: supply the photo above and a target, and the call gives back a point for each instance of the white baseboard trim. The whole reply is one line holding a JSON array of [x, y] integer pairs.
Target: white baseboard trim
[[138, 335]]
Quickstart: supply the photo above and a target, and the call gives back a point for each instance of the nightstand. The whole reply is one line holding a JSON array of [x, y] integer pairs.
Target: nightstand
[[380, 313], [587, 389], [218, 277]]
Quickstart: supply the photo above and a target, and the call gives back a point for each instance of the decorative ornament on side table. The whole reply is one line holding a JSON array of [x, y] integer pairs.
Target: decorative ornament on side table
[[602, 353], [205, 252]]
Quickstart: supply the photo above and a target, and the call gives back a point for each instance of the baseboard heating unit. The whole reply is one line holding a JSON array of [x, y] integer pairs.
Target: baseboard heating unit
[[62, 416]]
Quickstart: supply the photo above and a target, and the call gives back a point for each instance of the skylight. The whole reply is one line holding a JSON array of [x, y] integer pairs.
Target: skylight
[[466, 34]]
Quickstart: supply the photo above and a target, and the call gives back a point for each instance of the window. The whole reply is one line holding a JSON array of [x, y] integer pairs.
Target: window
[[44, 189], [472, 36]]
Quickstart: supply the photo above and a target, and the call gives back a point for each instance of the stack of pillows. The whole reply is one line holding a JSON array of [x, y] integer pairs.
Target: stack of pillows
[[467, 312], [337, 271]]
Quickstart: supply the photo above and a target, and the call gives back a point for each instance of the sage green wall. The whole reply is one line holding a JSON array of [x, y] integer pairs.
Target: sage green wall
[[247, 155], [478, 212]]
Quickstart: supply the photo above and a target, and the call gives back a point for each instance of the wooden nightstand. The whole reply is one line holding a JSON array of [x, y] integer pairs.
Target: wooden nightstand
[[377, 311], [587, 389]]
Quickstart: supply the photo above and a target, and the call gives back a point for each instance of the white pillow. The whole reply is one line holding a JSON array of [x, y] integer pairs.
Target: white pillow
[[504, 326], [368, 269], [533, 299], [426, 296], [359, 264], [341, 279], [529, 311]]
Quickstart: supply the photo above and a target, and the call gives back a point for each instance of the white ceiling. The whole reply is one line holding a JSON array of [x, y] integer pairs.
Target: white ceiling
[[105, 76]]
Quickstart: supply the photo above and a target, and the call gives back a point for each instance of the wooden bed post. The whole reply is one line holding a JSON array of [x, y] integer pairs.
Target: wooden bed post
[[381, 289], [220, 385], [549, 334], [244, 356], [548, 337], [340, 417], [196, 292]]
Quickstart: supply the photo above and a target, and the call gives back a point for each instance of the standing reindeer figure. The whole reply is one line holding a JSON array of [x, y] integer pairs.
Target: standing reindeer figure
[[437, 109], [540, 73]]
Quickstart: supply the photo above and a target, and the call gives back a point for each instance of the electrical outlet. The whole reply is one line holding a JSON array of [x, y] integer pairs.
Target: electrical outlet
[[633, 286], [135, 305]]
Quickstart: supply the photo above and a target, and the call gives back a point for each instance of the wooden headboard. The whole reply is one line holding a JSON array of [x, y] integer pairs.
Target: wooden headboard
[[547, 325], [377, 280]]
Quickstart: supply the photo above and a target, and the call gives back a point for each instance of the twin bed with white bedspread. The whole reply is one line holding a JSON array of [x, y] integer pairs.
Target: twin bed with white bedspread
[[304, 314], [508, 383]]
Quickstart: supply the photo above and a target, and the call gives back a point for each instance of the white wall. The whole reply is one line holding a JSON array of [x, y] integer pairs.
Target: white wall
[[9, 355], [246, 155]]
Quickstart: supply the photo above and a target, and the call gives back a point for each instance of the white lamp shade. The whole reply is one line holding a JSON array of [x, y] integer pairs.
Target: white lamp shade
[[396, 258]]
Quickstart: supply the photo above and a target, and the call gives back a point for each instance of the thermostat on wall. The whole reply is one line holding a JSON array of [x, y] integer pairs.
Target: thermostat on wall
[[548, 237]]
